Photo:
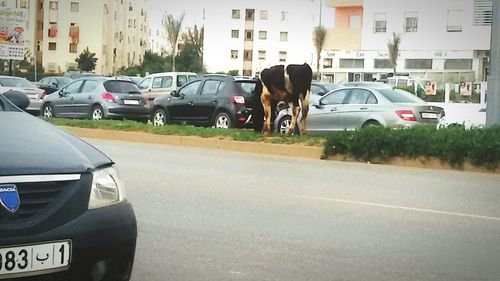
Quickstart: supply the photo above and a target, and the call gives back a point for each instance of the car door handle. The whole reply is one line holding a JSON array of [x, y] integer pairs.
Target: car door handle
[[191, 103], [364, 108], [214, 101], [72, 98], [90, 97], [333, 109]]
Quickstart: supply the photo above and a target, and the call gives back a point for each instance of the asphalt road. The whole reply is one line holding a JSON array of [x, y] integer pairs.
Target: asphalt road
[[212, 215]]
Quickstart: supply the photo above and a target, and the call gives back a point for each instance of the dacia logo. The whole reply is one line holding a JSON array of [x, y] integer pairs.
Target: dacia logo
[[9, 197]]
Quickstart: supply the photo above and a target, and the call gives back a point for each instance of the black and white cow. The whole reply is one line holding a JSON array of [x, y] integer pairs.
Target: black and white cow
[[291, 85]]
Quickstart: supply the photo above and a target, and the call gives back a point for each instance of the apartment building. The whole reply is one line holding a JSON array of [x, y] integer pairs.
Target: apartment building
[[249, 36], [115, 30], [443, 41]]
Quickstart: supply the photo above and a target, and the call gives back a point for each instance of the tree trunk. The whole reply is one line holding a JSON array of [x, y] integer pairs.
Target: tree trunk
[[318, 76], [173, 62]]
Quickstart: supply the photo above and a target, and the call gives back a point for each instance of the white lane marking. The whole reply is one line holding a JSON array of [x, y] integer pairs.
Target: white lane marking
[[362, 203]]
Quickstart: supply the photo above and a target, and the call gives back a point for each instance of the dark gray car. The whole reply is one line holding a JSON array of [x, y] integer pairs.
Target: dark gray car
[[97, 98], [350, 108], [64, 214]]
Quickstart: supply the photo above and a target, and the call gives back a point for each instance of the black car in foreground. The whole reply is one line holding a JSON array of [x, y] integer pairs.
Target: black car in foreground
[[212, 100], [63, 210]]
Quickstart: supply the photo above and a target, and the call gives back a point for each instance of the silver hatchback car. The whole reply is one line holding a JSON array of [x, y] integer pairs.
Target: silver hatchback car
[[351, 108], [98, 98]]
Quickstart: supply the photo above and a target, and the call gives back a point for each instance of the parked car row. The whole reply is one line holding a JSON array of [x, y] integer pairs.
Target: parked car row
[[223, 101]]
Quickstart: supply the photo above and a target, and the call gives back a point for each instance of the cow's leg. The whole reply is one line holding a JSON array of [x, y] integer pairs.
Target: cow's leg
[[295, 113], [305, 110], [265, 98]]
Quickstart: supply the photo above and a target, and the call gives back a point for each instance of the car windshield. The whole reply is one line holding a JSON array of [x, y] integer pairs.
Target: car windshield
[[15, 82], [63, 81], [400, 96], [120, 86]]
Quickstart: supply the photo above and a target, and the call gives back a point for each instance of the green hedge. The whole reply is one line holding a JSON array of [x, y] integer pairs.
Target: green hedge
[[480, 147]]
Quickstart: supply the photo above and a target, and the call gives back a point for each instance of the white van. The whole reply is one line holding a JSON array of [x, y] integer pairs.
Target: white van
[[157, 84], [406, 81]]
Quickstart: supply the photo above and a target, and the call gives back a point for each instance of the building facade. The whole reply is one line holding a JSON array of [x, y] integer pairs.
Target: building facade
[[250, 36], [442, 41], [115, 30]]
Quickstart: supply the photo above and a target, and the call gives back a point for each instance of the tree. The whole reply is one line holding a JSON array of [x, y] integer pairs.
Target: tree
[[173, 30], [189, 59], [393, 48], [86, 60], [319, 36]]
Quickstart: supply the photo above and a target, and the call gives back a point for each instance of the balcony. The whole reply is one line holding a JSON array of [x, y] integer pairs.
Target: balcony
[[344, 3]]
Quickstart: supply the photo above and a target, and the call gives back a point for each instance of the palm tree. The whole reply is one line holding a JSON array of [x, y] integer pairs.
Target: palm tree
[[173, 30], [319, 41], [393, 47]]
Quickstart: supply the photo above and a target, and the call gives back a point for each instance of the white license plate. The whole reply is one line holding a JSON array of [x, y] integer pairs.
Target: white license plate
[[32, 258], [427, 115], [131, 102]]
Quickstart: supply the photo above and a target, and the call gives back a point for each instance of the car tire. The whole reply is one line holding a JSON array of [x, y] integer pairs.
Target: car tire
[[48, 111], [284, 124], [160, 117], [372, 124], [97, 112], [223, 121]]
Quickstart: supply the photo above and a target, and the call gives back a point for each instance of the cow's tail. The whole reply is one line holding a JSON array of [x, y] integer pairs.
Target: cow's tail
[[258, 109]]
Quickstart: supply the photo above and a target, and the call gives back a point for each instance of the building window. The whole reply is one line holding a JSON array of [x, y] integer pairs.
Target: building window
[[130, 22], [24, 5], [234, 54], [262, 55], [106, 10], [380, 23], [458, 64], [75, 6], [282, 56], [284, 15], [235, 33], [263, 35], [382, 63], [418, 63], [249, 14], [236, 14], [411, 22], [355, 21], [455, 18], [352, 63], [483, 12], [283, 36], [327, 63], [248, 35], [73, 48], [248, 55], [3, 4], [263, 15], [52, 46], [53, 5]]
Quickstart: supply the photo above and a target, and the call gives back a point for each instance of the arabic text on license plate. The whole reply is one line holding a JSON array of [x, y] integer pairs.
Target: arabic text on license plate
[[131, 102], [32, 258], [428, 115]]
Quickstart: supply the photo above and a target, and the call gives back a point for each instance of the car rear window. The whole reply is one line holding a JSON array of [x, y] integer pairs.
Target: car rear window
[[247, 87], [121, 87], [15, 82], [400, 96]]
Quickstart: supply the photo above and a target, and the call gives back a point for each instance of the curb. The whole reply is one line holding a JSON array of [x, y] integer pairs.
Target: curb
[[291, 150]]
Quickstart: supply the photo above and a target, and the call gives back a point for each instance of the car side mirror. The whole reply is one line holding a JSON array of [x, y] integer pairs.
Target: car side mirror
[[62, 93], [55, 84], [19, 99], [175, 94], [316, 103]]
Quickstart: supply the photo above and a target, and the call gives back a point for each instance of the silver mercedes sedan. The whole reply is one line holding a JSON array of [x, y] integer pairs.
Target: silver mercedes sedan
[[351, 108]]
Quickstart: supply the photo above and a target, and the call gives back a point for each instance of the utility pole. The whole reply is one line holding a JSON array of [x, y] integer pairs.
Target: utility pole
[[493, 96], [320, 11]]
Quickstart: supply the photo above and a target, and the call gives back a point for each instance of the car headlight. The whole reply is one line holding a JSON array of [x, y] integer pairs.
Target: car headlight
[[107, 189]]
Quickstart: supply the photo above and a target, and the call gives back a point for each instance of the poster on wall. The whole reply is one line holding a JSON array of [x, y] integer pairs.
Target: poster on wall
[[465, 89], [430, 88], [13, 24]]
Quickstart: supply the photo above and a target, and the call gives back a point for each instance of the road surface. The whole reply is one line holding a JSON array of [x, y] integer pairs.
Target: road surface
[[215, 215]]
